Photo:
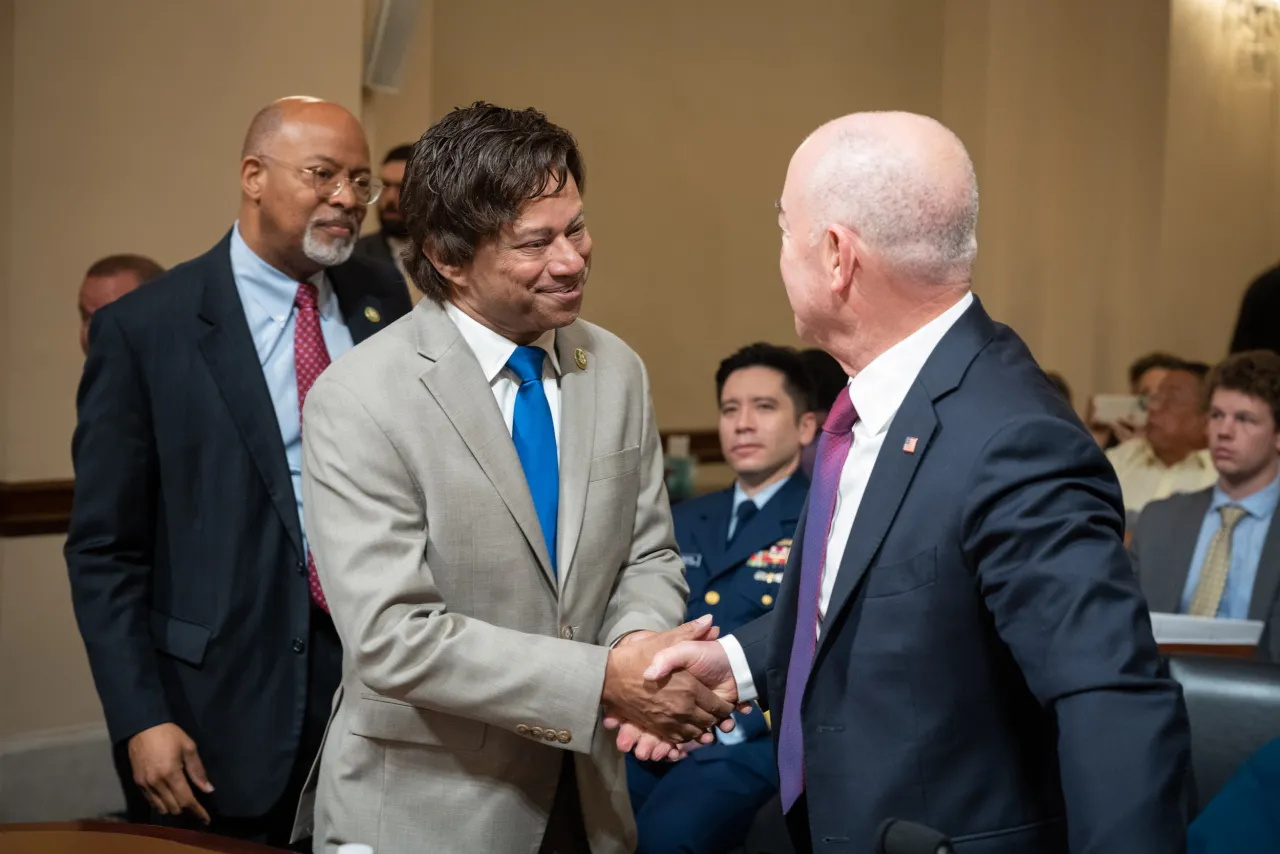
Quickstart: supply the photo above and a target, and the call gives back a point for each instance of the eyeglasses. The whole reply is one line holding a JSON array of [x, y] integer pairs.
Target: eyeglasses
[[328, 183]]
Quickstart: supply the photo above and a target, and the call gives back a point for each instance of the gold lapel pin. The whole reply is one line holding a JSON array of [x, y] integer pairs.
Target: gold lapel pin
[[580, 357], [371, 314]]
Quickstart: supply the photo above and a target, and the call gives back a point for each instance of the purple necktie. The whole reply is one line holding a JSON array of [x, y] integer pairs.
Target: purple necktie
[[833, 450]]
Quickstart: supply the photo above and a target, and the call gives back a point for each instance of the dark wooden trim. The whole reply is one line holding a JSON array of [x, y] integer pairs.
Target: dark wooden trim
[[32, 507], [704, 444], [23, 837]]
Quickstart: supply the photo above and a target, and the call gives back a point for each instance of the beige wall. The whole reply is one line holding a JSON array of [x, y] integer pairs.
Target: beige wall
[[123, 135], [1129, 180], [1220, 222], [688, 113], [1063, 107]]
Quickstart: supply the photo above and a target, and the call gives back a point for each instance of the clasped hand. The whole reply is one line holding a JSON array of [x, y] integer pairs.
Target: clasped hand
[[666, 693]]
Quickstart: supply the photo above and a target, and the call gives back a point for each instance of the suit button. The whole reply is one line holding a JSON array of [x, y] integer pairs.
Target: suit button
[[549, 735], [302, 567], [522, 729], [535, 731], [712, 597], [298, 646], [564, 737], [766, 600], [566, 632]]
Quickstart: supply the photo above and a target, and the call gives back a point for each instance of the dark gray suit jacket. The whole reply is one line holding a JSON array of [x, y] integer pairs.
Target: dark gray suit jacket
[[1164, 541]]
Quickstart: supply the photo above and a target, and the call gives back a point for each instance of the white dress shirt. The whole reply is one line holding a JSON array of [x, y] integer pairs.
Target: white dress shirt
[[492, 352], [877, 392]]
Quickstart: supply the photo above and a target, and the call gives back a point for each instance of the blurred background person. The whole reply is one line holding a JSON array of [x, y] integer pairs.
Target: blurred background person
[[109, 279], [1258, 324], [735, 544], [387, 244], [1169, 455], [828, 379], [1215, 552], [207, 634]]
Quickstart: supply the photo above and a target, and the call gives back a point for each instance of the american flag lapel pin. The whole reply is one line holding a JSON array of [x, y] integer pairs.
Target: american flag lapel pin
[[909, 446]]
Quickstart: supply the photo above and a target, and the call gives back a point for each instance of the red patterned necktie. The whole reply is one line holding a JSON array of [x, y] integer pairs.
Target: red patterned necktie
[[310, 357]]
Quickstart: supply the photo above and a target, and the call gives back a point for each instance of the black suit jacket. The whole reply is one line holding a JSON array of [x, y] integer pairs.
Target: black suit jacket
[[1164, 542], [375, 246], [1256, 326], [185, 552], [986, 665]]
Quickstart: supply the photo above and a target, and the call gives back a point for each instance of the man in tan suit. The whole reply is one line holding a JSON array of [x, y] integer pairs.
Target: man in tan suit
[[490, 526]]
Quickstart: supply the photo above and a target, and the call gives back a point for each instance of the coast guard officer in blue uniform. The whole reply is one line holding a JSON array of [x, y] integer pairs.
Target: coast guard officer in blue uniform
[[734, 544]]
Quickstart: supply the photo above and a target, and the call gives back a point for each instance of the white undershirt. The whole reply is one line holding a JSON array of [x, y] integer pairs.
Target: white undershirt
[[493, 351], [877, 391]]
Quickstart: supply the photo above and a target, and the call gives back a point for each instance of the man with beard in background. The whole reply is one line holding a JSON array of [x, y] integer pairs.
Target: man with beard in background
[[208, 635], [388, 243]]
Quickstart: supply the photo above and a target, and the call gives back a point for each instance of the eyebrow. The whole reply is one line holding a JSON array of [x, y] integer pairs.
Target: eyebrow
[[329, 161], [547, 230]]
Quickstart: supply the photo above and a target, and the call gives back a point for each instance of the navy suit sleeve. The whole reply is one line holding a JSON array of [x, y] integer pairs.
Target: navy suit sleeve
[[754, 637], [1042, 529], [109, 544]]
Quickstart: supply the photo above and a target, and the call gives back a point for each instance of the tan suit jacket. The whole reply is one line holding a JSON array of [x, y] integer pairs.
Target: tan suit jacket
[[469, 666]]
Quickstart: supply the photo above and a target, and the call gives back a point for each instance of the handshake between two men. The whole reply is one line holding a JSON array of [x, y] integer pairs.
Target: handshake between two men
[[667, 692]]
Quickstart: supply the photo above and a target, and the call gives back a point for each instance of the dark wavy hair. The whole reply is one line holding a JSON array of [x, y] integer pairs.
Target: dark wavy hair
[[796, 379], [1253, 372], [470, 174]]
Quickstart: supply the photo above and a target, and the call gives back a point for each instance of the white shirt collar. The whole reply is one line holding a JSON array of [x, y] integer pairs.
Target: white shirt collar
[[491, 349], [761, 498], [879, 389]]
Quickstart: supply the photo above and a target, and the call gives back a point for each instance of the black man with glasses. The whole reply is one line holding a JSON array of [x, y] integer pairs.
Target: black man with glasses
[[207, 630]]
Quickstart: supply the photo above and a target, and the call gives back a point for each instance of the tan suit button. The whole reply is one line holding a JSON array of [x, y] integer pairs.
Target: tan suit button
[[712, 597], [564, 737], [536, 731], [566, 632], [549, 735], [522, 729]]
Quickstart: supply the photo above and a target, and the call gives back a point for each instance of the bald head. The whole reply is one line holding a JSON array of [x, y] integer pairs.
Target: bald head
[[903, 182], [281, 117], [305, 181]]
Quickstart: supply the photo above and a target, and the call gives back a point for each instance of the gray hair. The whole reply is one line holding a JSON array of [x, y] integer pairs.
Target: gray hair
[[890, 193]]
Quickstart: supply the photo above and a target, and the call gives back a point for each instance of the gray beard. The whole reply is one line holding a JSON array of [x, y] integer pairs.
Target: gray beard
[[326, 252]]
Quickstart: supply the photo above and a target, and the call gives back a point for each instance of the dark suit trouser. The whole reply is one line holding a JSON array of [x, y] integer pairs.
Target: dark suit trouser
[[324, 672], [696, 806], [566, 834], [798, 825]]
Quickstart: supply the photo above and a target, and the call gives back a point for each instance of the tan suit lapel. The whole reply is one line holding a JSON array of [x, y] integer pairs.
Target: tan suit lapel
[[577, 438], [457, 383]]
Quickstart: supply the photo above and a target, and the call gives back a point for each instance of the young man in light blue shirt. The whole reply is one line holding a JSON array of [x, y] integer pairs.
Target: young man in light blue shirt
[[1215, 553]]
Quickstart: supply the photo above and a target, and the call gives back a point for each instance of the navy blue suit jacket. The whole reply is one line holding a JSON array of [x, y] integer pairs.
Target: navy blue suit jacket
[[986, 665], [188, 573], [737, 583]]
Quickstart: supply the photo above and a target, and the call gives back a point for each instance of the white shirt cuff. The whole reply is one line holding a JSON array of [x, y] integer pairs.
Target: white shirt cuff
[[741, 670]]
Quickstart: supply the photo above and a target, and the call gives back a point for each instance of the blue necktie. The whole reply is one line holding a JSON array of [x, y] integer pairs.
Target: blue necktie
[[534, 435]]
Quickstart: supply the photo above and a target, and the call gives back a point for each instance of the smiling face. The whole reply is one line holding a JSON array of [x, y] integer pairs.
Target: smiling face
[[530, 276], [299, 228]]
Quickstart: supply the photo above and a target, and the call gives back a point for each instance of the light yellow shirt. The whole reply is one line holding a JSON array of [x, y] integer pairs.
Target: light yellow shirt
[[1144, 478]]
